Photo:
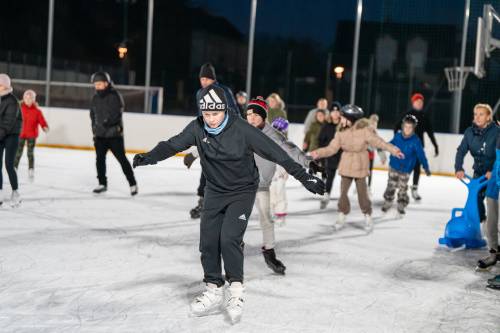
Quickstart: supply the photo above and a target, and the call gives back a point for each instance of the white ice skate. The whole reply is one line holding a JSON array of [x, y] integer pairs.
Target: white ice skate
[[414, 193], [209, 302], [368, 224], [234, 306], [134, 190], [31, 174], [324, 200], [15, 199], [339, 224]]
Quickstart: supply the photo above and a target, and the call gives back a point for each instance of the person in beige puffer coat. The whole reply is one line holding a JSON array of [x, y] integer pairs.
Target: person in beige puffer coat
[[355, 136]]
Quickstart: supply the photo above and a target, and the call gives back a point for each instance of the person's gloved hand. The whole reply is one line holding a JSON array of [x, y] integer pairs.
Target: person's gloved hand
[[189, 159], [141, 159], [436, 151], [315, 167], [428, 173], [281, 124], [311, 183]]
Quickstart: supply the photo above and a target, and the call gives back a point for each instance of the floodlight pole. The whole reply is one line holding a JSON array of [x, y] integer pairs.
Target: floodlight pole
[[251, 37], [149, 46], [50, 37], [359, 12], [458, 105]]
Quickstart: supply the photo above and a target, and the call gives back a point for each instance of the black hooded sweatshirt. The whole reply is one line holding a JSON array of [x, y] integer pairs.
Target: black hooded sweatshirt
[[227, 159]]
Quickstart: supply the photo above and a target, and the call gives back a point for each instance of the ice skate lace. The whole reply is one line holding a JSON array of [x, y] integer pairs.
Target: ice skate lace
[[206, 298]]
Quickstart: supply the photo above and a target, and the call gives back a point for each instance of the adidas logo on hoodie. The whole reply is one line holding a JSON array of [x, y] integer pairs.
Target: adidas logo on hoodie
[[213, 100]]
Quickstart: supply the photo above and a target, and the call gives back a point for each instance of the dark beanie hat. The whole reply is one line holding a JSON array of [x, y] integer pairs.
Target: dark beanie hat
[[208, 71], [259, 106], [213, 98]]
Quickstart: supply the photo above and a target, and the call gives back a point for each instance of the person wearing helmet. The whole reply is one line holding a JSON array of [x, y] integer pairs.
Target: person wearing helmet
[[354, 137], [242, 101], [400, 169], [106, 111]]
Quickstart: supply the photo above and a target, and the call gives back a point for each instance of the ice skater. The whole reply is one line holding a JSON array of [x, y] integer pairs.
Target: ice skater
[[354, 137], [32, 119], [226, 145], [10, 127], [257, 111], [107, 127], [400, 169], [425, 125]]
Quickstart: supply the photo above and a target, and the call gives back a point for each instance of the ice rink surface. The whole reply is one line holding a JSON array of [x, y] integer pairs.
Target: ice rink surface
[[71, 261]]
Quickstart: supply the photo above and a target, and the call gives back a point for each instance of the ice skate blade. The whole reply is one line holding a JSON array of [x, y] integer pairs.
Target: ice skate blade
[[214, 311], [483, 270], [492, 287]]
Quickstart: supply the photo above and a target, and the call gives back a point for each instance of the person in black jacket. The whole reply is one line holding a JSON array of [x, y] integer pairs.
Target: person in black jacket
[[107, 127], [424, 125], [326, 135], [242, 100], [10, 128], [226, 145]]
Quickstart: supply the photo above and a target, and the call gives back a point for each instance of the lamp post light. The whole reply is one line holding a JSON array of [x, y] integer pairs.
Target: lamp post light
[[122, 50], [339, 72]]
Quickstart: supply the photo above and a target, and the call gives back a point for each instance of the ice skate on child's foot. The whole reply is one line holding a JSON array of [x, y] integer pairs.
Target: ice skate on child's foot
[[486, 263], [15, 199], [234, 305], [386, 206], [209, 302], [368, 223], [324, 200], [414, 193], [100, 189], [401, 211], [196, 211], [494, 283], [340, 222], [31, 174], [279, 219], [134, 190], [272, 262]]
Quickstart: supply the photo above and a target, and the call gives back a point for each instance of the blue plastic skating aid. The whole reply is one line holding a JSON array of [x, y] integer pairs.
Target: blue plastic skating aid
[[465, 229]]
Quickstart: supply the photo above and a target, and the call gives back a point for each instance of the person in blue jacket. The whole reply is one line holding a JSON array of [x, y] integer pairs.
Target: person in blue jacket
[[480, 141], [491, 228], [400, 169]]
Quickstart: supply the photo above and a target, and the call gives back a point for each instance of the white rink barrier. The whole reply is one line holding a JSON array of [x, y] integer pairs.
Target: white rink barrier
[[71, 128]]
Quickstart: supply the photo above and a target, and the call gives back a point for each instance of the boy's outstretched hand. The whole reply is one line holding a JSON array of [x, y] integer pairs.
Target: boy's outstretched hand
[[141, 159]]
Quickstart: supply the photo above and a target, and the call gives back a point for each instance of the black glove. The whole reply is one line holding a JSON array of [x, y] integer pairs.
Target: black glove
[[141, 159], [315, 167], [436, 151], [428, 173], [189, 159], [312, 184]]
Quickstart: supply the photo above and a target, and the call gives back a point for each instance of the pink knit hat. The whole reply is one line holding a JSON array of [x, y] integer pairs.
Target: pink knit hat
[[4, 80]]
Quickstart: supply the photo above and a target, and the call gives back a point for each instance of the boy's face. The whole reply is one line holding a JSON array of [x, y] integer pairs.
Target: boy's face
[[254, 119], [213, 118], [241, 100], [100, 85], [205, 82], [408, 129]]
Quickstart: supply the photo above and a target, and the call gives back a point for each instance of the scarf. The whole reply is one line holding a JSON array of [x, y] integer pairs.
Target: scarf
[[217, 130]]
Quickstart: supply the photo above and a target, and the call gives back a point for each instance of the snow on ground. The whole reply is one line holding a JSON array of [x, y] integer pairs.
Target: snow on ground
[[71, 261]]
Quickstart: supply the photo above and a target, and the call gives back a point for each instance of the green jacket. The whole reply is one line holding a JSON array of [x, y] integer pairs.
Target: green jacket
[[311, 138], [275, 113]]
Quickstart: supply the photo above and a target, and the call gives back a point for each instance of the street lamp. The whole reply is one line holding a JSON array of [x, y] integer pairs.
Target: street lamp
[[339, 71], [122, 50]]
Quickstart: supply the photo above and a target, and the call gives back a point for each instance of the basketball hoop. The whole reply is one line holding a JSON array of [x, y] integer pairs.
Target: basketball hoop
[[453, 77]]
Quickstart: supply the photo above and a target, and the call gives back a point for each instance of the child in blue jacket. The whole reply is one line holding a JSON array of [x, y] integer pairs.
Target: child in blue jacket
[[400, 169]]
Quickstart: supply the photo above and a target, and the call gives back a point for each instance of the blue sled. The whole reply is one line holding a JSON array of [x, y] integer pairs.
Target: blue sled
[[465, 229]]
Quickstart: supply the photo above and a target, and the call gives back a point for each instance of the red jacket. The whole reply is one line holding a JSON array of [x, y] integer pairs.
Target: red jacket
[[32, 118]]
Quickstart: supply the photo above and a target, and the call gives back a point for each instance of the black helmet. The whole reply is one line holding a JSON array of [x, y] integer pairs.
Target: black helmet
[[100, 76], [336, 105], [352, 112], [409, 118], [242, 93]]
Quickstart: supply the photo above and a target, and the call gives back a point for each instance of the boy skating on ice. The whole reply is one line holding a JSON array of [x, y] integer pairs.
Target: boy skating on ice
[[32, 119], [354, 138], [226, 145], [257, 111], [400, 169]]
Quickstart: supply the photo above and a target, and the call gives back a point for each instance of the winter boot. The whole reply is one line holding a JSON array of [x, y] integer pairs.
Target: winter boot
[[31, 174], [324, 200], [196, 211], [100, 189], [234, 305], [15, 199], [134, 190], [274, 264], [209, 302], [487, 262], [339, 224], [414, 193], [368, 224], [386, 206]]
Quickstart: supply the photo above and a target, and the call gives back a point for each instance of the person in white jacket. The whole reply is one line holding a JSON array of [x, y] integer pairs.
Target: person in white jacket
[[256, 116]]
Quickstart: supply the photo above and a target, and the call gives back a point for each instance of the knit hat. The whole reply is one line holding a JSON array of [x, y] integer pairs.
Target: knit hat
[[5, 80], [259, 106], [416, 97], [336, 105], [213, 98], [208, 71]]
